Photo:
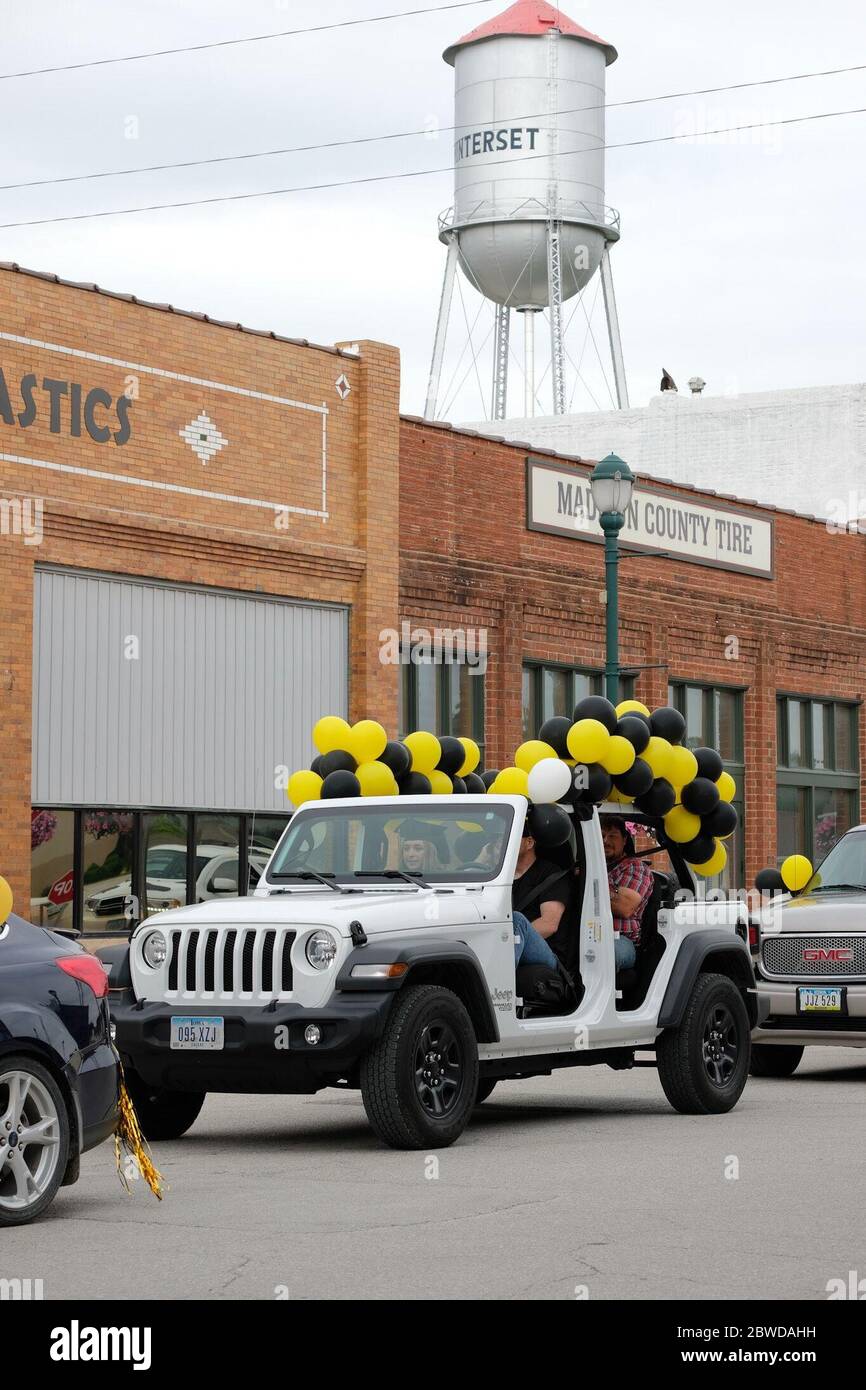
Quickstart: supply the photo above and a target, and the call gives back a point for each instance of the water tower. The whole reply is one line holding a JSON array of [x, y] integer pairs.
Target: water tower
[[529, 227]]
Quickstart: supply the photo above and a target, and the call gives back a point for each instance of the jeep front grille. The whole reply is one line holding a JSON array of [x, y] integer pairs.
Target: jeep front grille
[[237, 961], [788, 957]]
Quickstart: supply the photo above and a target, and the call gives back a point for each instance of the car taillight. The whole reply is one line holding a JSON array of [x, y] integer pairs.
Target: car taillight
[[88, 969], [753, 936]]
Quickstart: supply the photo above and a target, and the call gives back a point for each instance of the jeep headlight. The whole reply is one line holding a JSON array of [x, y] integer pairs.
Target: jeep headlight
[[153, 949], [321, 950]]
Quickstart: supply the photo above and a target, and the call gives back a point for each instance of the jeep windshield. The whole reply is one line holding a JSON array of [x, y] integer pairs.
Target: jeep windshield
[[844, 869], [358, 845]]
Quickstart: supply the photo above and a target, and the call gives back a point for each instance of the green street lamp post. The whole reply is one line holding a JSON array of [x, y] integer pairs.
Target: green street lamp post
[[612, 482]]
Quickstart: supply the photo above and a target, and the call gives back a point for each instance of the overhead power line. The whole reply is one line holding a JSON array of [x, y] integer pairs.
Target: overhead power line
[[250, 38], [412, 173], [409, 134]]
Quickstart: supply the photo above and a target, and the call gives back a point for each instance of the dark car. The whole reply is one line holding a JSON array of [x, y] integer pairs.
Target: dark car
[[59, 1072]]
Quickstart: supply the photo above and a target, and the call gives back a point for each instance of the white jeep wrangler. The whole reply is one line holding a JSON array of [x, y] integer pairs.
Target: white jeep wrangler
[[350, 968]]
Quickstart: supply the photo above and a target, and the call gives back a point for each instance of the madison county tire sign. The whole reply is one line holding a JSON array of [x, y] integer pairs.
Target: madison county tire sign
[[559, 500]]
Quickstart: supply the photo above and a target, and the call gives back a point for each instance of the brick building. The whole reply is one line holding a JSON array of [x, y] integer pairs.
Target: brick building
[[206, 534]]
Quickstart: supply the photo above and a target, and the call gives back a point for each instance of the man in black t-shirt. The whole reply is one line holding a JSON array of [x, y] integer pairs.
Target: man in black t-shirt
[[537, 915]]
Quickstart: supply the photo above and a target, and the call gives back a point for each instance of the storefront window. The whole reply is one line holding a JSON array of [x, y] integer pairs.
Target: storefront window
[[443, 697], [52, 861], [165, 860], [714, 719], [818, 785], [555, 690], [217, 857], [107, 859]]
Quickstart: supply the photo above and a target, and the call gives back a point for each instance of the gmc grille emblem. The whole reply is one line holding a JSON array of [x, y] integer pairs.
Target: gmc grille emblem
[[813, 953]]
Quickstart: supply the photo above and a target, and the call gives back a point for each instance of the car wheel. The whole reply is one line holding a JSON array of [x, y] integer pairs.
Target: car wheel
[[704, 1063], [163, 1114], [486, 1087], [34, 1140], [775, 1061], [419, 1081]]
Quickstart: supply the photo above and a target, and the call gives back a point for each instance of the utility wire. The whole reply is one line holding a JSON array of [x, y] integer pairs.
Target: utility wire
[[414, 173], [251, 38], [412, 134]]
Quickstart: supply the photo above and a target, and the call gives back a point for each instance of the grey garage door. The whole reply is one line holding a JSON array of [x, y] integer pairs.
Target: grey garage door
[[148, 694]]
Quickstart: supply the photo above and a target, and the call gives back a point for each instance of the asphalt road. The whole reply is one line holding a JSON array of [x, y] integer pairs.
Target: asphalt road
[[583, 1184]]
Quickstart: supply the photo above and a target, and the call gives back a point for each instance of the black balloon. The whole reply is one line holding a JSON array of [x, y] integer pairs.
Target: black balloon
[[700, 796], [337, 761], [660, 798], [668, 723], [489, 777], [698, 850], [590, 782], [459, 787], [340, 783], [597, 707], [453, 756], [549, 825], [636, 729], [770, 881], [397, 757], [637, 781], [709, 764], [555, 732], [721, 821], [474, 784], [316, 764], [414, 784]]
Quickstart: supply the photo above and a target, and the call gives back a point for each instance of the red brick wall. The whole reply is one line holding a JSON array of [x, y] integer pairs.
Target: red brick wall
[[468, 558]]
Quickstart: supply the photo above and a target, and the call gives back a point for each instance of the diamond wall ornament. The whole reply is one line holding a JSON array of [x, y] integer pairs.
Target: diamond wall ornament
[[343, 386], [203, 437]]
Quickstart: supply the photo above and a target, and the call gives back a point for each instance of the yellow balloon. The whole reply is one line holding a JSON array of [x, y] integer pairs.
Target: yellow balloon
[[472, 759], [588, 740], [304, 786], [727, 787], [631, 707], [617, 795], [367, 741], [426, 751], [440, 783], [684, 766], [658, 754], [5, 901], [512, 781], [619, 756], [681, 825], [330, 733], [796, 872], [714, 864], [532, 752], [376, 779]]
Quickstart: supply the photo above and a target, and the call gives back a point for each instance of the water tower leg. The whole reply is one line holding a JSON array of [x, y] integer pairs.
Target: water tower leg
[[502, 328], [554, 287], [529, 359], [441, 331], [613, 332]]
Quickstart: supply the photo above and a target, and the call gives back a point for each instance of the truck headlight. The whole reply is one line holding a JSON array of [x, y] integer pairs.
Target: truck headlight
[[321, 950], [154, 949]]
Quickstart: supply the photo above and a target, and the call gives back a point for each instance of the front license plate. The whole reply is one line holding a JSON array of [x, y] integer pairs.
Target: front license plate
[[191, 1034], [823, 1000]]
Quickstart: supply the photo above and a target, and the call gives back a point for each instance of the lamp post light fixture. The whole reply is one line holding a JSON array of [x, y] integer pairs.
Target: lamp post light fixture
[[612, 484]]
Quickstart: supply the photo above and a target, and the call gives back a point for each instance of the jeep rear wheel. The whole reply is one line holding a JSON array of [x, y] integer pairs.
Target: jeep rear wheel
[[163, 1114], [703, 1064], [419, 1081], [775, 1061]]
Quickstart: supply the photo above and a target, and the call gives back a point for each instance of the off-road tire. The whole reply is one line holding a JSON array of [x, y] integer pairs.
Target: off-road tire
[[486, 1087], [163, 1114], [768, 1060], [684, 1066], [397, 1098]]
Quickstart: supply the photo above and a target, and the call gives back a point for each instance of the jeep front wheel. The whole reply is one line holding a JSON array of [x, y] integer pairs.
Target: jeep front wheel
[[703, 1064], [775, 1061], [419, 1081], [163, 1114]]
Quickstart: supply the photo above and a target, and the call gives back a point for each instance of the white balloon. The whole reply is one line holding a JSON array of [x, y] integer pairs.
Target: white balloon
[[548, 781]]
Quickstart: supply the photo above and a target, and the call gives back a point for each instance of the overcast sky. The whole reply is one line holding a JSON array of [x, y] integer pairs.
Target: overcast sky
[[741, 260]]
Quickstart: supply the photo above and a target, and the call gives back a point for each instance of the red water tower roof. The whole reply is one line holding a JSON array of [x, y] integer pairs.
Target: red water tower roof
[[532, 18]]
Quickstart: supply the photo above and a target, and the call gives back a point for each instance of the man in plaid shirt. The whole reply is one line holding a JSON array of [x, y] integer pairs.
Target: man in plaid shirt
[[631, 886]]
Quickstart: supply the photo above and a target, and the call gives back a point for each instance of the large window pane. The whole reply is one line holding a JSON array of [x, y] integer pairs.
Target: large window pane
[[696, 734], [555, 693], [797, 739], [426, 712], [217, 857], [833, 814], [108, 840], [52, 855], [584, 684], [822, 737], [791, 819], [466, 703], [728, 721], [165, 860], [265, 833], [846, 738]]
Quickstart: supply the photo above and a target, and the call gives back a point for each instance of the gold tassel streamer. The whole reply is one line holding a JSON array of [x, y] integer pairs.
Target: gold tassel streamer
[[128, 1138]]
